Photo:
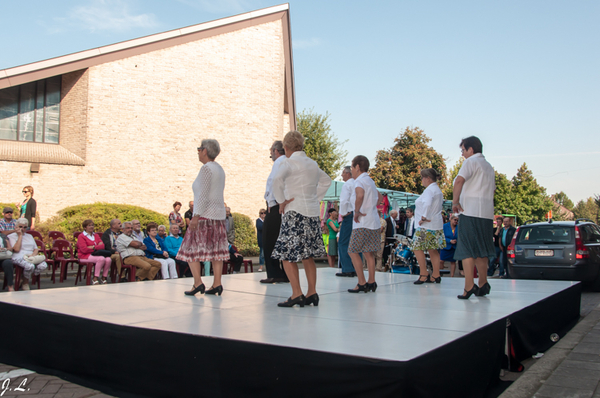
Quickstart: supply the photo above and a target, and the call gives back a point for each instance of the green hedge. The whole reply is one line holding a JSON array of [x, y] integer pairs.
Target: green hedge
[[245, 235], [69, 220]]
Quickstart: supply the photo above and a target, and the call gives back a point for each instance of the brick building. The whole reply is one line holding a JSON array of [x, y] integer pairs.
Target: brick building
[[121, 123]]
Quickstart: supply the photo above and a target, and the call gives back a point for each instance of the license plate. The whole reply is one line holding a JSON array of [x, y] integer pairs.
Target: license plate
[[544, 253]]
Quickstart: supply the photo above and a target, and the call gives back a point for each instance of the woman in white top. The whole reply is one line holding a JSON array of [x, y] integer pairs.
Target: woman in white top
[[24, 245], [299, 186], [429, 233], [206, 238]]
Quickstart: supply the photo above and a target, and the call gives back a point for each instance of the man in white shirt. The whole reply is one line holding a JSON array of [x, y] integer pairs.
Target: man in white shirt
[[272, 222], [409, 224], [347, 213], [366, 238]]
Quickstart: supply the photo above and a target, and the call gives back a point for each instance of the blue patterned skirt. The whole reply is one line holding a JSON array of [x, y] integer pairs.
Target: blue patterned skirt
[[299, 238]]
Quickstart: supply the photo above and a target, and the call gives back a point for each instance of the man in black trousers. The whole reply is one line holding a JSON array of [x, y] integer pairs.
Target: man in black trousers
[[272, 223]]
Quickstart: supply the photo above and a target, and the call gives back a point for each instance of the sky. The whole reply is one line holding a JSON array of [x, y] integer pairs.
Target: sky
[[523, 76]]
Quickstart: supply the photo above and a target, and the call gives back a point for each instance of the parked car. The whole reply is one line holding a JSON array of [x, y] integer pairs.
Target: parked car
[[559, 250]]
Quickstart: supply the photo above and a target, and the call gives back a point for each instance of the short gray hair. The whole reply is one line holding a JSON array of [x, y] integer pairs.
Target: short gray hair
[[347, 169], [212, 147], [278, 146], [162, 226], [126, 223], [22, 221]]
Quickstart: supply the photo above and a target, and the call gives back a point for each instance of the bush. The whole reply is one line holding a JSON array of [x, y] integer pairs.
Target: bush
[[245, 235], [69, 220], [14, 207]]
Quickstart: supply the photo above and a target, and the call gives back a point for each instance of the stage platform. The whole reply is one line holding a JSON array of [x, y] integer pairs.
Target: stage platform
[[149, 339]]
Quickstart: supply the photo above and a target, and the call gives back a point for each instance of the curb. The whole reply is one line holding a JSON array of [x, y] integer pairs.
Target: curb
[[534, 378]]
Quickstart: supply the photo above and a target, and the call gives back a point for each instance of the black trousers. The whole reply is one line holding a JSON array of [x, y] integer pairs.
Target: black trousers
[[236, 261], [7, 266], [271, 227]]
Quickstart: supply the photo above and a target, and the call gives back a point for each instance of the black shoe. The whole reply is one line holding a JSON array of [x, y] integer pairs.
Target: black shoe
[[124, 280], [421, 281], [372, 286], [268, 280], [215, 290], [483, 290], [195, 290], [300, 300], [468, 294], [280, 280], [312, 299], [360, 288], [437, 280], [349, 274]]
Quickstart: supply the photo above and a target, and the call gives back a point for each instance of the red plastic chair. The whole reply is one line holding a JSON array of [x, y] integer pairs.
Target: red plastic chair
[[54, 235], [129, 270], [36, 235], [62, 246], [76, 235], [51, 263], [19, 274], [228, 266]]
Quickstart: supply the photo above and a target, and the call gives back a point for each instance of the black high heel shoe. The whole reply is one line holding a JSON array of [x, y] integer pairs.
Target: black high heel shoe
[[312, 299], [360, 288], [215, 290], [437, 280], [420, 281], [195, 290], [468, 294], [372, 286], [483, 290], [300, 300]]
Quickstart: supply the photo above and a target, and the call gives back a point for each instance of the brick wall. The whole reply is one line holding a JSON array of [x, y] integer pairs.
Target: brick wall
[[144, 116]]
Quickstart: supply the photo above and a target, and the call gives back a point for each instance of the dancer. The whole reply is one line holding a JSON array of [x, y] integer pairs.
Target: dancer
[[473, 196], [299, 187], [206, 239], [365, 236], [429, 234]]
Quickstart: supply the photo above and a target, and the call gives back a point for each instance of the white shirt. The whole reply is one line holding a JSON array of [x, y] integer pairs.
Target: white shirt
[[346, 202], [410, 227], [477, 195], [300, 178], [28, 245], [208, 188], [91, 236], [429, 205], [269, 196], [369, 205]]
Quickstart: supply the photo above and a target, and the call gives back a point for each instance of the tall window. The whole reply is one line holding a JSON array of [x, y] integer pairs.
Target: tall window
[[31, 112]]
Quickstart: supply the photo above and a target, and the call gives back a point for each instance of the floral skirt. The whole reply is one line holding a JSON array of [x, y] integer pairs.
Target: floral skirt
[[206, 243], [427, 239], [364, 240], [299, 238]]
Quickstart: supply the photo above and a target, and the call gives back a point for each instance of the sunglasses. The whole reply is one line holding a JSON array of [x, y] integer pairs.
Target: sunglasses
[[262, 212], [25, 191], [200, 148]]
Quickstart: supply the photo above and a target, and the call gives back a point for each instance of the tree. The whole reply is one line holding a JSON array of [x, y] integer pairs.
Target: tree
[[449, 183], [320, 143], [530, 199], [586, 209], [504, 198], [562, 199], [399, 167]]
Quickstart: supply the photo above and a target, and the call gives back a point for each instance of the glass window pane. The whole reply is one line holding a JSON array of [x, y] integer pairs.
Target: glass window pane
[[52, 116], [39, 112], [27, 112], [9, 109]]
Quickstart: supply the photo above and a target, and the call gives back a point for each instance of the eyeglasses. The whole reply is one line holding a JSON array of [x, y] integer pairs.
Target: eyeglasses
[[200, 148]]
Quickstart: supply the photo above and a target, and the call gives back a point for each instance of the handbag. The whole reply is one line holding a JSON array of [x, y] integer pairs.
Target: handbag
[[35, 260], [102, 253], [5, 254]]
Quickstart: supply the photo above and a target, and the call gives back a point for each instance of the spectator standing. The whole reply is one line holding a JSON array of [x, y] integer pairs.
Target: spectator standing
[[173, 243], [497, 233], [189, 214], [259, 237], [347, 212], [28, 207], [473, 196], [390, 230], [366, 227], [87, 243], [7, 224], [156, 250], [450, 235], [409, 224], [379, 252], [505, 237], [272, 222], [332, 227], [206, 239], [24, 245], [429, 234], [6, 263], [132, 252], [175, 217], [109, 238], [230, 226], [299, 186]]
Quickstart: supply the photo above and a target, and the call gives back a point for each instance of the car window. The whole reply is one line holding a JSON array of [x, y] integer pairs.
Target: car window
[[545, 235], [590, 233]]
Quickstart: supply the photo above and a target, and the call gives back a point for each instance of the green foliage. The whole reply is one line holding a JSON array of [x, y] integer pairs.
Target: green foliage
[[69, 220], [562, 199], [448, 186], [399, 167], [504, 197], [320, 143], [245, 235], [586, 209]]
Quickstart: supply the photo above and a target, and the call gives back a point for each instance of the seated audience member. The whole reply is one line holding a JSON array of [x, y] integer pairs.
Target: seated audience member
[[7, 224], [6, 263], [137, 232], [132, 252], [156, 249], [236, 258], [172, 243], [23, 245], [162, 232], [109, 238], [89, 242]]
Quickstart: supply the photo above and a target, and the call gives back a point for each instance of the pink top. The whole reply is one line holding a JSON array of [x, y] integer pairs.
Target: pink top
[[83, 242]]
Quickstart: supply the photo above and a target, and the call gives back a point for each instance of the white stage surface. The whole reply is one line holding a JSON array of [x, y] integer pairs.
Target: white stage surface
[[400, 322]]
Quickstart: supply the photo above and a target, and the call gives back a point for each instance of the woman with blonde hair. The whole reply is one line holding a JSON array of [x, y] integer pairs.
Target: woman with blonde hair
[[28, 207], [299, 186]]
